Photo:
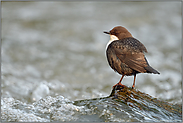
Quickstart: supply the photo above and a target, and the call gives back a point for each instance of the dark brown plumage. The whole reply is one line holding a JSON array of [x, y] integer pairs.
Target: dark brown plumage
[[125, 54]]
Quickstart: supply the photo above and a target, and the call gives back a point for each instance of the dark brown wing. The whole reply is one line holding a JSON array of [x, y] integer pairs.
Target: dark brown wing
[[135, 61], [130, 51]]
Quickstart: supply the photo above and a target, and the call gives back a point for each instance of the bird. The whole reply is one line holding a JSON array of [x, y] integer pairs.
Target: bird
[[125, 54]]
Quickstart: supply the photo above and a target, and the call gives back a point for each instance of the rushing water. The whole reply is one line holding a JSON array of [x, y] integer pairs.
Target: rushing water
[[58, 48]]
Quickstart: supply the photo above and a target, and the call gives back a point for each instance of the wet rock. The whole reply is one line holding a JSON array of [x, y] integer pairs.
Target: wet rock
[[144, 103], [125, 104]]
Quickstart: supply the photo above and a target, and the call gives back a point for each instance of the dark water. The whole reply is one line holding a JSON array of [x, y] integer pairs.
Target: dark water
[[58, 48]]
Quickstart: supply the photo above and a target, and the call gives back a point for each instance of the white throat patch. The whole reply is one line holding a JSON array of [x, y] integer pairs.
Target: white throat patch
[[112, 38]]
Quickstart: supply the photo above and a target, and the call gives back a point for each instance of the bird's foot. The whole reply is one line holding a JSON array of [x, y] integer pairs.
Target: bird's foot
[[133, 87], [118, 84]]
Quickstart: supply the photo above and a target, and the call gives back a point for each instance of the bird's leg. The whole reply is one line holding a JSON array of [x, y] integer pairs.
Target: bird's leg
[[119, 83], [133, 86], [121, 79]]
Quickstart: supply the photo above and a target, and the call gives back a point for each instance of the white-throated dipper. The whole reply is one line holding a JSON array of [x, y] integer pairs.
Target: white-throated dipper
[[125, 54]]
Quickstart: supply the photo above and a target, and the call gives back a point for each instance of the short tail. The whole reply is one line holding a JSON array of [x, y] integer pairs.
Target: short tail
[[151, 70]]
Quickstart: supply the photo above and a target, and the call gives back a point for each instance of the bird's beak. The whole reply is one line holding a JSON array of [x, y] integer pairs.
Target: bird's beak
[[106, 32]]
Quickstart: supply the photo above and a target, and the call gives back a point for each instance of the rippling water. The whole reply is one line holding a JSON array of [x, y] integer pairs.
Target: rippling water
[[58, 48]]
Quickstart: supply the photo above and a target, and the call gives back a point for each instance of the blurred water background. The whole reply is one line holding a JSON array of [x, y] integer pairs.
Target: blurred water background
[[58, 48]]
